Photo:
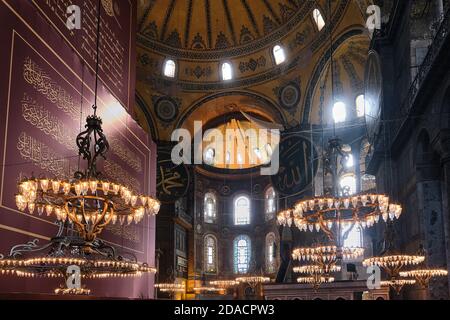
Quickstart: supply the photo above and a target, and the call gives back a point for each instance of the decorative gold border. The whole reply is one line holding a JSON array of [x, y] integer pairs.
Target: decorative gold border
[[81, 57], [14, 33], [68, 67], [27, 233]]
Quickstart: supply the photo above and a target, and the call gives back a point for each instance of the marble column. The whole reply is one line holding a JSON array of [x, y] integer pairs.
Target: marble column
[[442, 145]]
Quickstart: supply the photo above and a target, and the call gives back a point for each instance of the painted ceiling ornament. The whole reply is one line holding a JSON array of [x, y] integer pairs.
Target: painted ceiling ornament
[[166, 108], [289, 95]]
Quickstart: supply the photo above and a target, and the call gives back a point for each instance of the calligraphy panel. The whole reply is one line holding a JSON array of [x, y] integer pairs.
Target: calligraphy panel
[[46, 92], [298, 165]]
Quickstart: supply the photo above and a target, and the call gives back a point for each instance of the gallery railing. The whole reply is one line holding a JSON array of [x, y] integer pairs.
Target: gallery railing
[[423, 71]]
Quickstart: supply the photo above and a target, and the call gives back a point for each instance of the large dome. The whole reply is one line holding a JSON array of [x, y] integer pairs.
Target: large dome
[[217, 25]]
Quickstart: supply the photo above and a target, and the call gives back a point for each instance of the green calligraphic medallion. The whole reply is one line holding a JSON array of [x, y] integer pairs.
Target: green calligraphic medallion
[[296, 169], [172, 180]]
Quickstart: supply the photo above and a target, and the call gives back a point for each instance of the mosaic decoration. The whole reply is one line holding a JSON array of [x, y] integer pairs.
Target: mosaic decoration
[[252, 64], [289, 95]]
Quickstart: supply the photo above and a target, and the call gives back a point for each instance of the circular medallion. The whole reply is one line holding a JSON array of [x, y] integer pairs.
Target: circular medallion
[[172, 180], [296, 169], [290, 96], [166, 109], [225, 190]]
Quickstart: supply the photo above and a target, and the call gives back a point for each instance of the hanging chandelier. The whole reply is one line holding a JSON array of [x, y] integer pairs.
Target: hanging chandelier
[[332, 213], [326, 258], [83, 206], [423, 276], [397, 284]]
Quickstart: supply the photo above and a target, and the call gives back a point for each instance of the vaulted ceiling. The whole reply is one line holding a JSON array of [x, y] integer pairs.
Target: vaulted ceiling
[[199, 35]]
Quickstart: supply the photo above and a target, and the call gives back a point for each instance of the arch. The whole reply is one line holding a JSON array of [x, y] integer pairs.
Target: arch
[[426, 159], [230, 99], [210, 207], [210, 253], [271, 253], [321, 66], [143, 107], [242, 254], [242, 210]]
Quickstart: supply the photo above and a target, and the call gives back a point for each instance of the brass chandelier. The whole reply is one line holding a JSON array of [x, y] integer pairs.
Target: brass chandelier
[[83, 206]]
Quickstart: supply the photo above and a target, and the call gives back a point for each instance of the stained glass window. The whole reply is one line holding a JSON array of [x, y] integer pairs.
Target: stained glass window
[[210, 253], [242, 210], [242, 251]]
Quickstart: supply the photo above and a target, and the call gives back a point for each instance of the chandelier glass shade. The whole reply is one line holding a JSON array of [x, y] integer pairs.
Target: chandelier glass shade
[[206, 289], [326, 256], [316, 280], [224, 283], [89, 204], [398, 284], [316, 269], [253, 281], [171, 287], [392, 264], [423, 276], [331, 213]]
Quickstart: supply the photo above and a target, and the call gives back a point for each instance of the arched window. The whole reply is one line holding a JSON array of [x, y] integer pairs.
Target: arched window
[[270, 203], [227, 71], [271, 253], [348, 184], [318, 19], [169, 68], [339, 112], [242, 210], [210, 255], [354, 238], [209, 207], [278, 54], [209, 156], [350, 161], [360, 106], [242, 251]]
